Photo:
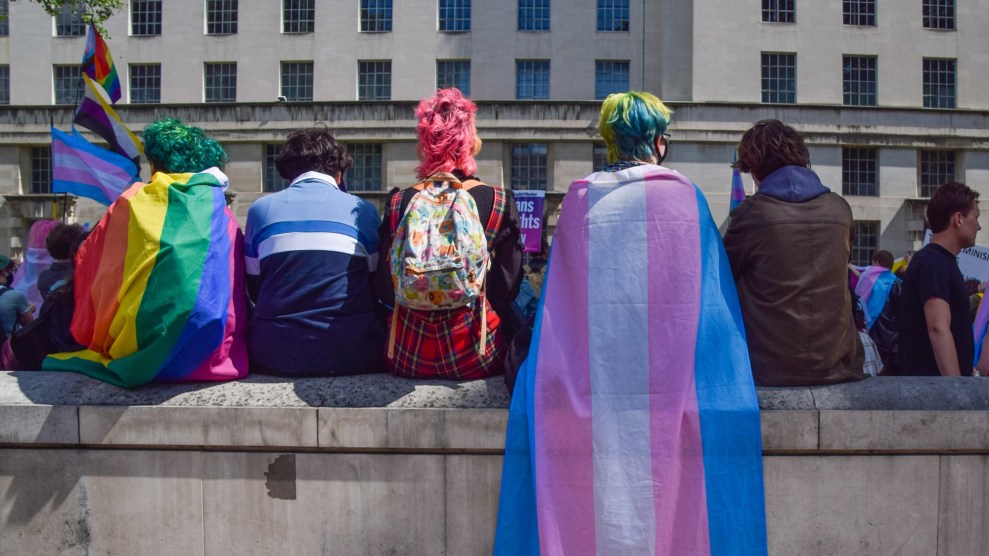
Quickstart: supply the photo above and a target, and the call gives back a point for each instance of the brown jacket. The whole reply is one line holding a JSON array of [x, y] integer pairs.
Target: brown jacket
[[790, 262]]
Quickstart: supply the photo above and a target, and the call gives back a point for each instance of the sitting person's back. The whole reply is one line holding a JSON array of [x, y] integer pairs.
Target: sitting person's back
[[311, 251], [159, 283], [789, 246], [465, 342]]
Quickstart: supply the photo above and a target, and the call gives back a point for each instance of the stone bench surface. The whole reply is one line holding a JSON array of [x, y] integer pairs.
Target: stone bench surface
[[383, 390]]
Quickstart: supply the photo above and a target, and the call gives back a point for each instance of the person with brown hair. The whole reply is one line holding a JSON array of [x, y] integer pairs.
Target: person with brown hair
[[936, 336], [789, 246]]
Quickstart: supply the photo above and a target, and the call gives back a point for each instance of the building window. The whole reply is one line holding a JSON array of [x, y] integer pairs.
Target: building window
[[376, 15], [221, 17], [374, 80], [610, 76], [939, 83], [221, 81], [779, 77], [532, 79], [936, 167], [454, 15], [865, 241], [453, 73], [298, 16], [145, 18], [613, 15], [366, 172], [859, 80], [273, 181], [41, 169], [533, 15], [69, 23], [939, 14], [297, 80], [859, 174], [779, 11], [5, 84], [145, 83], [859, 12], [68, 84], [528, 166], [4, 15], [600, 157]]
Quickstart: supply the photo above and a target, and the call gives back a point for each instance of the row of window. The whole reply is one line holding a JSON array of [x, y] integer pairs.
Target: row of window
[[936, 14], [779, 80], [859, 80], [299, 16], [373, 80]]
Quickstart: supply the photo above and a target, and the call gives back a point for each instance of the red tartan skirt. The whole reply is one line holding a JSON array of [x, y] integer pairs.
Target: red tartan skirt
[[446, 344]]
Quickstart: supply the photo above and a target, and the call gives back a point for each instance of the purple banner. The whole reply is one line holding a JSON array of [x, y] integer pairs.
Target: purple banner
[[530, 207]]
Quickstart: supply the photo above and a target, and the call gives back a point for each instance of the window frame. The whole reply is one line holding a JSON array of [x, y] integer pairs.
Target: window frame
[[779, 11], [613, 16], [945, 169], [615, 86], [936, 21], [858, 13], [860, 171], [368, 82], [153, 80], [524, 164], [60, 73], [41, 170], [298, 17], [462, 67], [852, 93], [300, 77], [861, 252], [4, 84], [271, 180], [219, 20], [5, 19], [777, 96], [454, 16], [367, 173], [529, 79], [535, 14], [376, 18], [219, 87], [148, 18], [932, 89], [69, 21]]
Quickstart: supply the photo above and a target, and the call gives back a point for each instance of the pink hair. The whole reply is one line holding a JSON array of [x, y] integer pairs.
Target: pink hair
[[446, 133], [39, 233]]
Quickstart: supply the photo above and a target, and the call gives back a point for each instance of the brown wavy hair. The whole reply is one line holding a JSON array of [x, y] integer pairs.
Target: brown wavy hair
[[768, 146]]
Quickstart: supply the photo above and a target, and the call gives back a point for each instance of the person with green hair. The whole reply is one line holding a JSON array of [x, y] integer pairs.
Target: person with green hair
[[159, 283], [638, 356]]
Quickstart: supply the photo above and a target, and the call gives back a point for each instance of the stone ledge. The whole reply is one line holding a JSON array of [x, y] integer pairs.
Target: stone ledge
[[385, 413]]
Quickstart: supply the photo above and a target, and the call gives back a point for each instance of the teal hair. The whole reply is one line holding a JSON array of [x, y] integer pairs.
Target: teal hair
[[175, 148], [630, 123]]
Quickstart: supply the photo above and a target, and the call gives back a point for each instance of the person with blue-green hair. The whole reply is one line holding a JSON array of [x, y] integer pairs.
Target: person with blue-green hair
[[160, 282], [638, 356]]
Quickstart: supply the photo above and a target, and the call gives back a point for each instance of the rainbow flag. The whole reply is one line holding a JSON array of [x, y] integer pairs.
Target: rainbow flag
[[81, 168], [634, 425], [96, 114], [159, 287], [98, 64], [873, 287]]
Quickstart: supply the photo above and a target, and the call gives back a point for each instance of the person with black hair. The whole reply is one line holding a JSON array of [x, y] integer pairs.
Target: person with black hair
[[311, 251], [59, 245], [936, 335]]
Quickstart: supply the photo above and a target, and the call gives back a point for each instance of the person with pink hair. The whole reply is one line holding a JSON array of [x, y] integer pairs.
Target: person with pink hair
[[472, 341]]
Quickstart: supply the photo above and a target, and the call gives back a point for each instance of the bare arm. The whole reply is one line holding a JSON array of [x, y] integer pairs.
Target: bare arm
[[938, 315]]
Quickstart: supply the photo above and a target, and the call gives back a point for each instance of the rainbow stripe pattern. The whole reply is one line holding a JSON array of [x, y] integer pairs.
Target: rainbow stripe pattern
[[980, 328], [98, 64], [873, 289], [634, 425], [160, 287]]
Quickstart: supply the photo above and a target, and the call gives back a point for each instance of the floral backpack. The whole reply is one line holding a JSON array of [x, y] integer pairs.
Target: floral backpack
[[439, 255]]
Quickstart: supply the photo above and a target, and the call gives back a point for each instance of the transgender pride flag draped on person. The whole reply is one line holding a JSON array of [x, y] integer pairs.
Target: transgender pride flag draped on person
[[98, 64], [873, 287], [979, 328], [634, 425], [159, 287], [737, 187]]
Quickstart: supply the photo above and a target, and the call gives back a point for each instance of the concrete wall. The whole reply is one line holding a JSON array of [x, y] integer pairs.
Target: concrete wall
[[380, 465]]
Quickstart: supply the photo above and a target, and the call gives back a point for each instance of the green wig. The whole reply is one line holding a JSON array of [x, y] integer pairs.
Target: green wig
[[630, 123], [175, 148]]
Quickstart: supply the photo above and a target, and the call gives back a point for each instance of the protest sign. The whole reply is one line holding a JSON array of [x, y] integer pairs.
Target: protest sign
[[530, 207]]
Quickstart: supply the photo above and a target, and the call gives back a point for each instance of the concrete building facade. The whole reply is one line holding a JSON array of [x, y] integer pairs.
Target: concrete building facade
[[890, 96]]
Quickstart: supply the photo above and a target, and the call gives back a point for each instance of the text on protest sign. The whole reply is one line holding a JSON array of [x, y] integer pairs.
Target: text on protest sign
[[530, 206]]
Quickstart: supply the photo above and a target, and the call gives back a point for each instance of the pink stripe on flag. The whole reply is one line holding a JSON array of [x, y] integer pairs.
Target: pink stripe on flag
[[866, 281], [564, 467], [674, 307]]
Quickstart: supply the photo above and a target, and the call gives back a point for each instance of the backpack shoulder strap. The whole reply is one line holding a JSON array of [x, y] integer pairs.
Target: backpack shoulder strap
[[394, 210]]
